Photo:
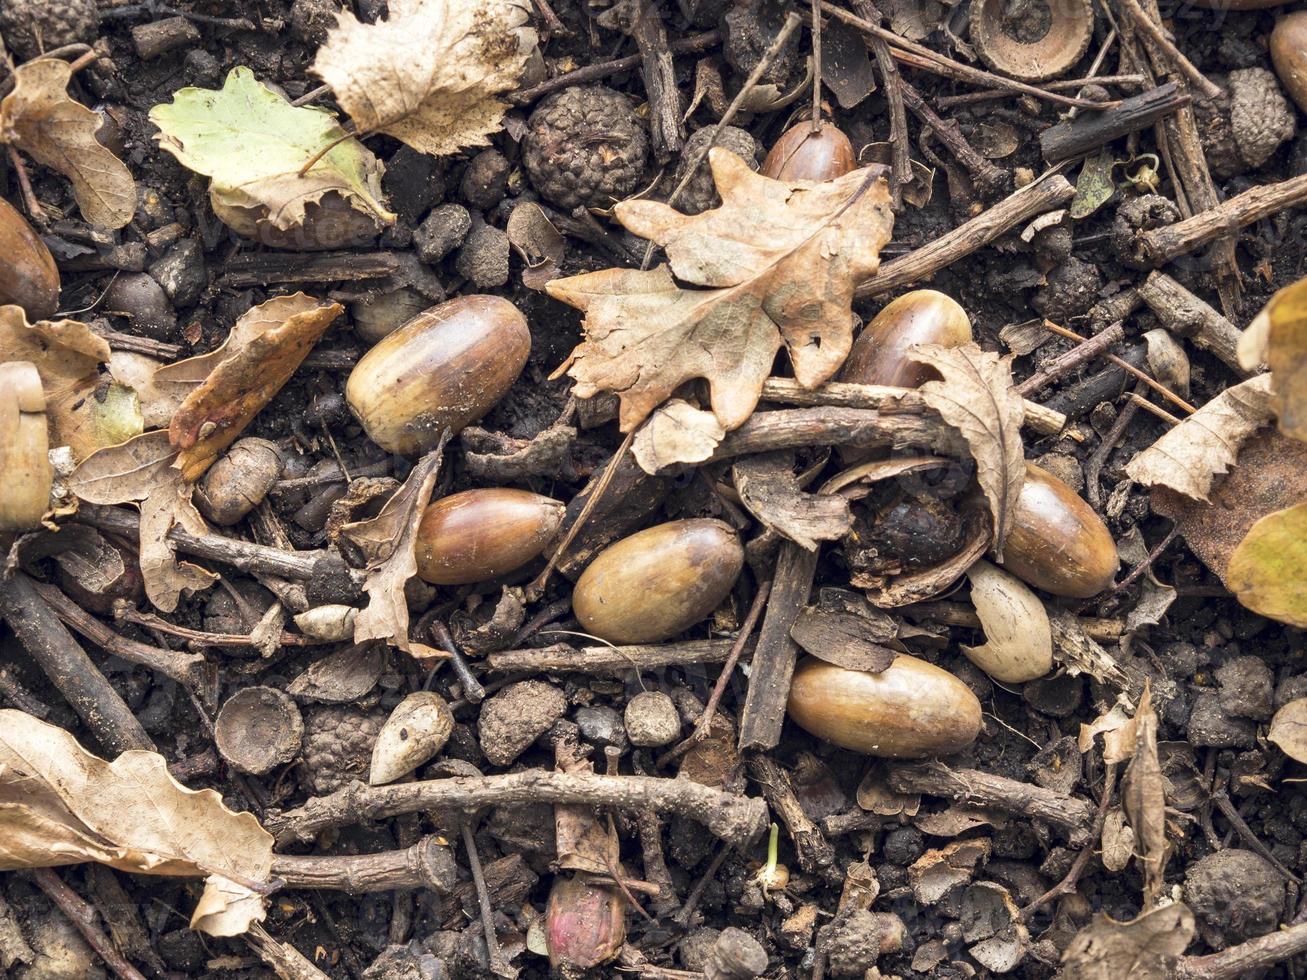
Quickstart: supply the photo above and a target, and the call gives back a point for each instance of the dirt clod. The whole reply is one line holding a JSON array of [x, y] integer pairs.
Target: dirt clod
[[516, 716], [1235, 895]]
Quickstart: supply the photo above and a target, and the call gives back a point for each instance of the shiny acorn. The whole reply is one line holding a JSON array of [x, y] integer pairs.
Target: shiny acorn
[[1057, 543], [24, 448], [910, 710], [880, 354], [801, 154], [28, 275], [478, 535], [658, 582], [1289, 55], [445, 368]]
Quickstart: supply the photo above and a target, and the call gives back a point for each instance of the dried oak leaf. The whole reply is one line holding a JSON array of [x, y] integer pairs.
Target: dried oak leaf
[[60, 805], [676, 432], [1120, 734], [976, 397], [263, 350], [142, 470], [1289, 729], [388, 542], [1189, 456], [1145, 948], [779, 261], [1277, 337], [1266, 570], [39, 118], [253, 144], [430, 75], [1143, 796], [771, 492]]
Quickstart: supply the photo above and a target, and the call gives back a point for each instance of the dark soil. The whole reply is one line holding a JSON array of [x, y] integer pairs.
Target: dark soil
[[1217, 671]]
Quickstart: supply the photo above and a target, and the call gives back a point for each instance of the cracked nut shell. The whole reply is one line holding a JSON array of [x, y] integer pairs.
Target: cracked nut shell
[[910, 710], [445, 368], [584, 147], [658, 582], [477, 535], [1057, 543], [28, 275], [24, 448]]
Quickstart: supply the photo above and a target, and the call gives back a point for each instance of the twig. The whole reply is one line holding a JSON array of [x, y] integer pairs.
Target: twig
[[562, 658], [1068, 883], [129, 614], [1147, 563], [1094, 466], [1185, 315], [1158, 36], [696, 893], [1237, 821], [473, 691], [1061, 366], [498, 965], [69, 667], [312, 95], [737, 819], [1137, 399], [1027, 203], [990, 180], [287, 962], [593, 73], [814, 121], [1077, 137], [1065, 84], [1157, 386], [1247, 959], [82, 916], [704, 724], [427, 864], [659, 75], [25, 186], [813, 850]]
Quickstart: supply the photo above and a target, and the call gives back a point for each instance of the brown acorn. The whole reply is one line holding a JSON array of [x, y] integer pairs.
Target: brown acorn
[[1057, 543], [659, 581], [585, 924], [24, 448], [481, 534], [880, 354], [1289, 55], [801, 154], [28, 275], [910, 710], [445, 368]]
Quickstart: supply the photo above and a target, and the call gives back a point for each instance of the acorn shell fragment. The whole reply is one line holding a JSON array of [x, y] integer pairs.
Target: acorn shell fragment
[[1055, 52]]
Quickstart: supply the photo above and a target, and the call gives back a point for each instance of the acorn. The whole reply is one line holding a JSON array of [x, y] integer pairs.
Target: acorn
[[801, 154], [880, 354], [478, 535], [24, 448], [1057, 543], [658, 582], [585, 924], [1289, 55], [28, 275], [445, 368], [910, 710], [236, 484]]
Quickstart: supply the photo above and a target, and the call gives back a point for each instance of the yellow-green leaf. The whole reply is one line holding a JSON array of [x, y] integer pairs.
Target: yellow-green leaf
[[1268, 570]]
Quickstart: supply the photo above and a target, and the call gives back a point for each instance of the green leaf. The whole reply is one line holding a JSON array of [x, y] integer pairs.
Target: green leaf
[[253, 144], [1094, 186], [1268, 570]]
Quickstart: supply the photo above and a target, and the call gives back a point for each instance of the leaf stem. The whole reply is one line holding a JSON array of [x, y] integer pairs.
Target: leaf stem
[[345, 135]]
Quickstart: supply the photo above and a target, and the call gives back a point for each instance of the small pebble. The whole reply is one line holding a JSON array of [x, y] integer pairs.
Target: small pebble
[[652, 720], [601, 726], [181, 273], [483, 259], [443, 230]]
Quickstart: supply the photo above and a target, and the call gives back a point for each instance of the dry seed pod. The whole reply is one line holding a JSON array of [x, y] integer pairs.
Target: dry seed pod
[[24, 448], [414, 733], [659, 581], [585, 924], [258, 729], [445, 368], [910, 710], [880, 354], [1057, 543], [332, 623], [478, 535], [1018, 643], [1289, 55], [801, 154], [1046, 56], [28, 275], [235, 484]]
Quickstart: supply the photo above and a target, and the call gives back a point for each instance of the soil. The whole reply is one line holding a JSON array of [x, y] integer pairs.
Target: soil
[[1217, 671]]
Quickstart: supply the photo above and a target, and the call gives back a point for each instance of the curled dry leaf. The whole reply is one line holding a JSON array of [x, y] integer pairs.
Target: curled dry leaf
[[59, 805], [341, 677], [1080, 653], [1265, 571], [842, 638], [39, 118], [389, 540], [1018, 639], [1119, 732], [1188, 457], [415, 732], [141, 470], [253, 144], [1143, 795], [771, 492], [1289, 729], [779, 261], [275, 337], [430, 74], [1145, 948], [676, 432], [938, 870], [538, 242], [976, 397]]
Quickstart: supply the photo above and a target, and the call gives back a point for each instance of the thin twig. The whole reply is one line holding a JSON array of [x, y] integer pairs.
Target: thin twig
[[1147, 563], [1068, 883], [814, 124], [1158, 36], [82, 916], [1137, 399], [1157, 386], [1069, 84], [498, 965], [473, 691], [1094, 467]]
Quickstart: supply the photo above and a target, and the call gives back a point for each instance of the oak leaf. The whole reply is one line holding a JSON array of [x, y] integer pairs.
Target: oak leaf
[[431, 73], [1143, 796], [260, 354], [1189, 457], [41, 119], [61, 805], [1268, 569], [779, 260], [977, 399], [253, 144], [1145, 948]]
